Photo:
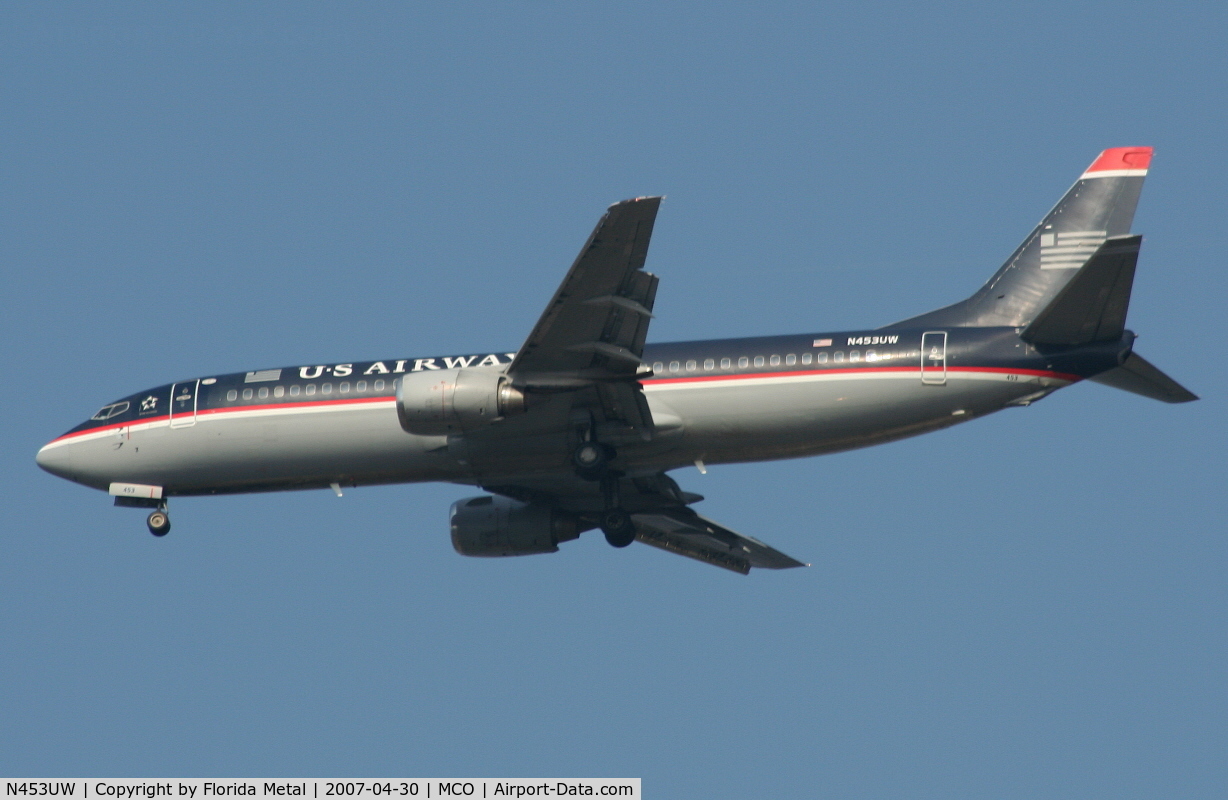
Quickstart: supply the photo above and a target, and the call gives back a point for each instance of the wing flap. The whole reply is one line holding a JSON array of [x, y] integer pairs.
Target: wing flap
[[684, 546], [686, 533]]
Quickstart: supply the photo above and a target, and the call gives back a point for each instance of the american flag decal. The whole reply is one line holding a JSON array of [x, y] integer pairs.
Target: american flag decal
[[1068, 249], [263, 375]]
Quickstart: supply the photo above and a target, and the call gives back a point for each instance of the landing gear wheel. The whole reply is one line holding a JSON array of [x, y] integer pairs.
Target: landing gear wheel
[[159, 523], [591, 459], [618, 528]]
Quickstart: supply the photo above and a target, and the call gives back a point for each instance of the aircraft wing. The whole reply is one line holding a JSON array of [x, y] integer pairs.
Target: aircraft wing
[[594, 327], [585, 354], [686, 533], [659, 509]]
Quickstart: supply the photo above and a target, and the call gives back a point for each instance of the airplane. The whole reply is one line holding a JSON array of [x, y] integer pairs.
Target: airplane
[[579, 428]]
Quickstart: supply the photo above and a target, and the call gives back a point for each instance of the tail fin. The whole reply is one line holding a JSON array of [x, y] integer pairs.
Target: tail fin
[[1092, 306], [1099, 206]]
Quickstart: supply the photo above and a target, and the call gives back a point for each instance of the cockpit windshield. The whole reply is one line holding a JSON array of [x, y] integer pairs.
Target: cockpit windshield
[[113, 410]]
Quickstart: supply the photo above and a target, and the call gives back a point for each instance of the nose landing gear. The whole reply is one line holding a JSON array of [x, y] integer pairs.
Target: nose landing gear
[[159, 522]]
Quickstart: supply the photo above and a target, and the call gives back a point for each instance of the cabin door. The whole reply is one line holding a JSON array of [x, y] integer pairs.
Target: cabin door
[[934, 357], [183, 404]]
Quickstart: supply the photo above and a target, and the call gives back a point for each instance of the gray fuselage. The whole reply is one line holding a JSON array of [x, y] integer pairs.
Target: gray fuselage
[[716, 401]]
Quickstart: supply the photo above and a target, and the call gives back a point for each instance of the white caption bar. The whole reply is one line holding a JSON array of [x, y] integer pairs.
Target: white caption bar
[[383, 788]]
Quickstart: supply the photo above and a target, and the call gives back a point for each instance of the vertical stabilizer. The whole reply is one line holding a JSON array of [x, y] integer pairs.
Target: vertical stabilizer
[[1099, 206], [1092, 306]]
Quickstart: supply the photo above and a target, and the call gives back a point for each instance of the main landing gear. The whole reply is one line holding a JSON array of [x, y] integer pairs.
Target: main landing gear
[[592, 462], [159, 522], [617, 526]]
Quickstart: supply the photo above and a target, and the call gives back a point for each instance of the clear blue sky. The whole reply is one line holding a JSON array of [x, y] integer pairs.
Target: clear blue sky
[[1030, 605]]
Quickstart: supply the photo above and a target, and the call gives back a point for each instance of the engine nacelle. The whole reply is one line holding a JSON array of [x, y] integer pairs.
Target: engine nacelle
[[442, 401], [499, 526]]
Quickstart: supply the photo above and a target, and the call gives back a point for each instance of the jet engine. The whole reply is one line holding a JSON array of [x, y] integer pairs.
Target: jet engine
[[499, 526], [442, 401]]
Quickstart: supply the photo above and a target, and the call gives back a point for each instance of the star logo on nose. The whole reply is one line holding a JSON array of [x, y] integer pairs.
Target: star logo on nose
[[149, 403]]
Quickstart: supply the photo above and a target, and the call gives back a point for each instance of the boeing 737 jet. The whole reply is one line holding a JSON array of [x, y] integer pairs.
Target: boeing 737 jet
[[579, 428]]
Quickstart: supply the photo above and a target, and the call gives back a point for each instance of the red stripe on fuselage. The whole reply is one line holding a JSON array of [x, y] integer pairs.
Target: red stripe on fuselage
[[206, 411], [349, 401], [1035, 373], [111, 427]]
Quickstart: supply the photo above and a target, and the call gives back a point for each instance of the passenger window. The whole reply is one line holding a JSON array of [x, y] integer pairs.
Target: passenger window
[[758, 361], [854, 355], [658, 367], [690, 366], [361, 386], [726, 363], [838, 357], [774, 361], [294, 391], [674, 366], [263, 393], [379, 386], [709, 364], [247, 394], [232, 395], [790, 360], [806, 358], [871, 355], [326, 388], [278, 391], [822, 358], [311, 388], [743, 361], [345, 387]]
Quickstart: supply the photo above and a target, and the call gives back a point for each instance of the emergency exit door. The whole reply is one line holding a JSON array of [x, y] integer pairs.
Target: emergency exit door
[[183, 404], [934, 357]]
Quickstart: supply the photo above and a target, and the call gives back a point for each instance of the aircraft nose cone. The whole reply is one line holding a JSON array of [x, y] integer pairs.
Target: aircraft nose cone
[[57, 459]]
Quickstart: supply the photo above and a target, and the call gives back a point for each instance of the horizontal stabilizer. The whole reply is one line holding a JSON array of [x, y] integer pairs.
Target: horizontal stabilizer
[[1139, 376], [1092, 306], [686, 533]]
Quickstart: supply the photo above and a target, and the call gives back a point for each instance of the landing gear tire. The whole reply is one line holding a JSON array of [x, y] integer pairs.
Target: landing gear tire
[[618, 528], [591, 460], [159, 523]]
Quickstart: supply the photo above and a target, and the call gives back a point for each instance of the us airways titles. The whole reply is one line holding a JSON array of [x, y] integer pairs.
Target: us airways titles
[[393, 367]]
